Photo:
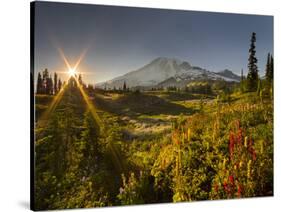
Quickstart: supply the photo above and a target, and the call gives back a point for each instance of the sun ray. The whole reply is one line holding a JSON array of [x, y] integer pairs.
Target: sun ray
[[80, 59], [115, 153], [64, 58], [89, 104], [43, 120]]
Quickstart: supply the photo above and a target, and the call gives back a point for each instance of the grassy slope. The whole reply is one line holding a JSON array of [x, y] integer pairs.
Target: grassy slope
[[141, 124]]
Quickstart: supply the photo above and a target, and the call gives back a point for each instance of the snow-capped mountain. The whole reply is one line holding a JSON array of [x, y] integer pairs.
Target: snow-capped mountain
[[163, 71]]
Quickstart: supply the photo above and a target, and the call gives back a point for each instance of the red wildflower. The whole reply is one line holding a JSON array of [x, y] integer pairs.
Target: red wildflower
[[225, 186], [250, 144], [239, 137], [231, 144], [231, 179], [254, 155]]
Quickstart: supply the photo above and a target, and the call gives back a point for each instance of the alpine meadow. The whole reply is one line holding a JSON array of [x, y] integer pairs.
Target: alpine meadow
[[140, 106]]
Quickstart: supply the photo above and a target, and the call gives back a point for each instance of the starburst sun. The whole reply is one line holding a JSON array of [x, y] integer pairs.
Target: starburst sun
[[72, 72]]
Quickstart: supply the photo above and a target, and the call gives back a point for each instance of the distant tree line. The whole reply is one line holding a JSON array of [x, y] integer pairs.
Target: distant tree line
[[120, 89], [46, 84]]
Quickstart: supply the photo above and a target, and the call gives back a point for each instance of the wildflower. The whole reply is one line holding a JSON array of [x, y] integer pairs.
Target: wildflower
[[216, 187], [188, 134], [250, 144], [249, 169], [239, 137], [225, 186], [231, 144], [223, 164], [231, 179], [240, 164], [254, 155], [245, 141]]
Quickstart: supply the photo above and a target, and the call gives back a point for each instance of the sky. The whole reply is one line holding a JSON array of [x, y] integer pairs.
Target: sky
[[118, 40]]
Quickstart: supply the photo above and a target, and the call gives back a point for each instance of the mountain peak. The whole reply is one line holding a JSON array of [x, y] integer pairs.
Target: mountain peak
[[168, 60], [226, 71], [163, 68]]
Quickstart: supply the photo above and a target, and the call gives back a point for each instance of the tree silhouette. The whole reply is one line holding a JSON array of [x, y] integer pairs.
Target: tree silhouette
[[39, 88], [45, 81], [124, 86], [55, 83], [49, 85], [269, 68], [80, 79], [252, 78], [59, 85], [242, 81]]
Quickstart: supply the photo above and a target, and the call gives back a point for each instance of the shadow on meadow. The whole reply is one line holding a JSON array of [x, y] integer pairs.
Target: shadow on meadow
[[133, 104]]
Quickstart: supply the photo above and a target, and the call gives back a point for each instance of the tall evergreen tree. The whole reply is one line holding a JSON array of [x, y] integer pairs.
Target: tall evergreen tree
[[252, 78], [39, 84], [49, 86], [55, 83], [267, 68], [272, 76], [242, 81], [271, 68], [59, 85], [124, 86], [80, 79], [45, 79]]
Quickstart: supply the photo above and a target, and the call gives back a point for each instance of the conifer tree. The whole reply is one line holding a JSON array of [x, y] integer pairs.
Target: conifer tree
[[45, 81], [271, 69], [59, 85], [39, 84], [55, 83], [80, 79], [267, 68], [124, 86], [49, 86], [272, 76], [252, 78], [242, 81]]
